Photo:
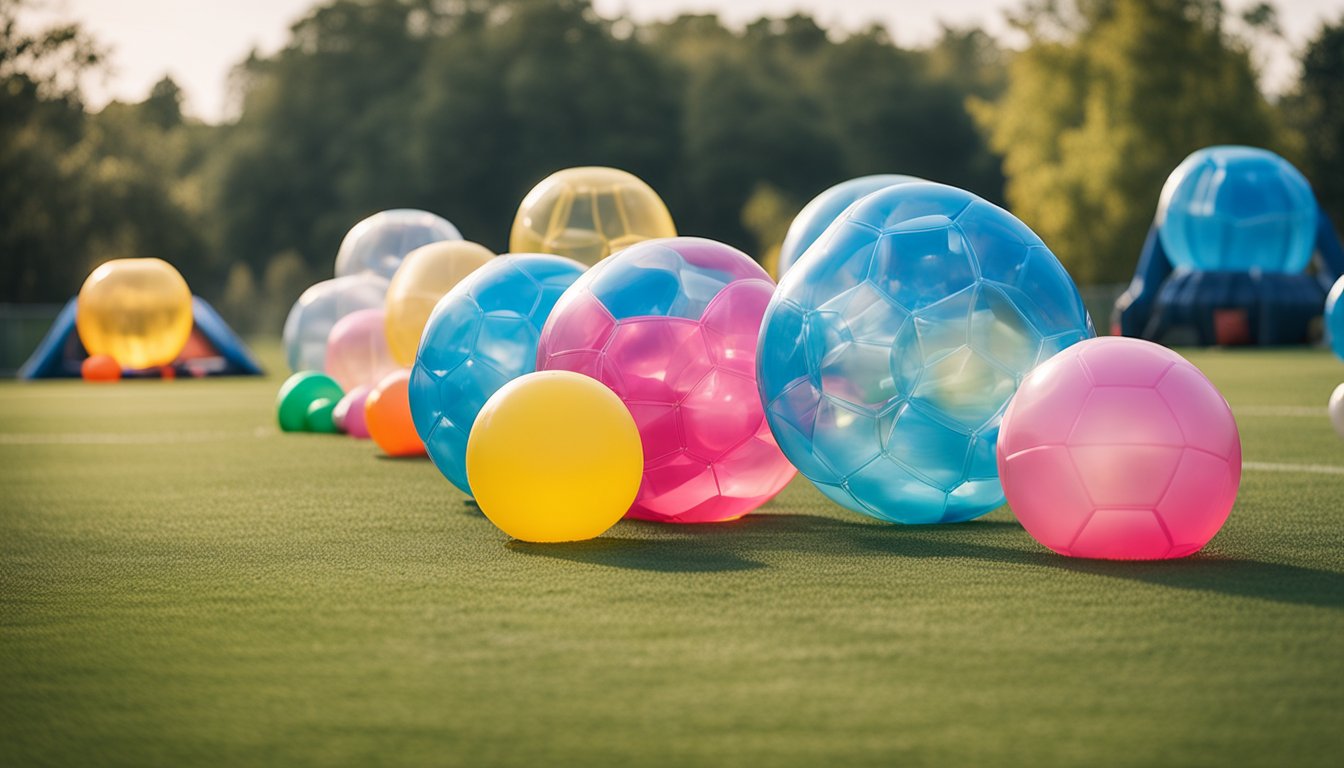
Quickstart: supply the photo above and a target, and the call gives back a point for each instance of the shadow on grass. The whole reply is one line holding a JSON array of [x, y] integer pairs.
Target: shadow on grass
[[742, 544], [665, 555]]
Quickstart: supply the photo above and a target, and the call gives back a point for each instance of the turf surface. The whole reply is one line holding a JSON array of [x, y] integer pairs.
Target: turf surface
[[180, 584]]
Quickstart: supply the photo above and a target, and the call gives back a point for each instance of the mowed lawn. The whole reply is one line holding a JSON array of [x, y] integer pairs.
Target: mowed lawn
[[181, 584]]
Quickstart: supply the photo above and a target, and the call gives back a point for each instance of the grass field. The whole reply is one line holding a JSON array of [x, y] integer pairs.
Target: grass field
[[182, 585]]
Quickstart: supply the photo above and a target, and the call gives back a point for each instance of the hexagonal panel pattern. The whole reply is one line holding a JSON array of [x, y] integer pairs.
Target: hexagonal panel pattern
[[481, 335], [1153, 455], [963, 299], [681, 352]]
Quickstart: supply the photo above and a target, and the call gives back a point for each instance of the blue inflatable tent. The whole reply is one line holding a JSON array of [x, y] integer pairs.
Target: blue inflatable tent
[[213, 349], [1227, 308]]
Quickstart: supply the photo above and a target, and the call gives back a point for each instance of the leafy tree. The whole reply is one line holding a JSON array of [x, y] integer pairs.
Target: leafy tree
[[1317, 112], [41, 119], [78, 189], [1109, 97]]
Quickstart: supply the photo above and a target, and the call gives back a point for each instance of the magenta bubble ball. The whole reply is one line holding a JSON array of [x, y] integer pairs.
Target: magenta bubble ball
[[349, 412], [671, 326], [357, 350], [1119, 449]]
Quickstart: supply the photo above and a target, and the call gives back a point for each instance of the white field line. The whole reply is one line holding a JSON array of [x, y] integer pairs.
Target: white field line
[[1311, 469], [1295, 411], [112, 438]]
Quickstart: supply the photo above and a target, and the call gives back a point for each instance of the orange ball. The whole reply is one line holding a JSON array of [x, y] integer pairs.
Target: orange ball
[[388, 414], [100, 368]]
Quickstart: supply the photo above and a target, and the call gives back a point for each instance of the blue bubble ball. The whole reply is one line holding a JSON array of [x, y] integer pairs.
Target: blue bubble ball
[[1334, 317], [482, 334], [888, 354], [818, 214], [1236, 209]]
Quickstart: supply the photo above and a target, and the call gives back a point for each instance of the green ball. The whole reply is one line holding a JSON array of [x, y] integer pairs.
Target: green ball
[[319, 416], [298, 393]]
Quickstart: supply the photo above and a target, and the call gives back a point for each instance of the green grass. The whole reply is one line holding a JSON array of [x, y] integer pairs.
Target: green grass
[[180, 584]]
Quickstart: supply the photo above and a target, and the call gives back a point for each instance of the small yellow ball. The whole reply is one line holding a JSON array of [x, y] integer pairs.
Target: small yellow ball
[[554, 456], [136, 310], [426, 274], [588, 214]]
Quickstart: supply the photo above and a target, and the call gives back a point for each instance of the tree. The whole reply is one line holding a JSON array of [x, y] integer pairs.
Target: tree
[[41, 119], [1317, 112], [1108, 98]]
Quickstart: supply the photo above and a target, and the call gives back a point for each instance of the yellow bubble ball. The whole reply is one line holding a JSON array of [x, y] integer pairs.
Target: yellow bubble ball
[[589, 213], [426, 274], [136, 310], [554, 456]]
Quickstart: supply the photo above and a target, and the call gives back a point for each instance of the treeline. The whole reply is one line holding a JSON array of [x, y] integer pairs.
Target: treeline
[[460, 106]]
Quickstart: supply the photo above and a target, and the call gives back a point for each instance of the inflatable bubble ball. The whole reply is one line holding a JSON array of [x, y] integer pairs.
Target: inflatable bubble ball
[[482, 334], [1236, 209], [379, 243], [891, 349], [587, 214], [671, 327], [818, 214], [318, 309]]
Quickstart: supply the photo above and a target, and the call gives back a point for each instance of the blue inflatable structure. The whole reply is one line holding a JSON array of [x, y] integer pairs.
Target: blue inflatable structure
[[1206, 308], [212, 350]]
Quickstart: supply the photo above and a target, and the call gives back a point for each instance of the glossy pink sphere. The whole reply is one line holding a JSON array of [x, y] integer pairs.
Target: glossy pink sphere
[[348, 415], [1119, 449], [357, 350], [671, 326]]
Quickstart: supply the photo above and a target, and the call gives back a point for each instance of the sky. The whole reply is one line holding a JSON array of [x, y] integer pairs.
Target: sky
[[198, 42]]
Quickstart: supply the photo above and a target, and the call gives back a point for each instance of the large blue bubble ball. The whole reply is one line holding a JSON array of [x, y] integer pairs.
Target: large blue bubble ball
[[482, 334], [889, 353], [1236, 209], [818, 214], [1334, 318]]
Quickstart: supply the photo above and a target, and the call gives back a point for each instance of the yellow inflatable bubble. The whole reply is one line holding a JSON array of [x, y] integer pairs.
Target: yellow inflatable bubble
[[423, 278], [588, 213], [554, 456], [136, 310]]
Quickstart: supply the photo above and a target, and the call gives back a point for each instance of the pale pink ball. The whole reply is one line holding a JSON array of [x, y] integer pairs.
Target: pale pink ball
[[1119, 449], [348, 415], [357, 351]]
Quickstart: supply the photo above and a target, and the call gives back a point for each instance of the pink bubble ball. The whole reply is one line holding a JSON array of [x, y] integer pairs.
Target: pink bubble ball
[[1120, 449], [671, 326], [348, 415], [357, 350]]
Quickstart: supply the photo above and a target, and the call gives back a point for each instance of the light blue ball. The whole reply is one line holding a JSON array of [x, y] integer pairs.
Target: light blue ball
[[1334, 317], [1235, 209], [381, 242], [481, 335], [818, 214], [889, 353]]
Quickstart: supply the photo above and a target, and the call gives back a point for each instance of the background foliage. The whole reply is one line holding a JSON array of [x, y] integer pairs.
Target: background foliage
[[460, 106]]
